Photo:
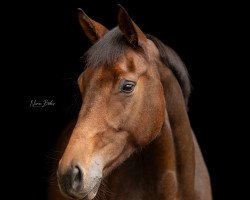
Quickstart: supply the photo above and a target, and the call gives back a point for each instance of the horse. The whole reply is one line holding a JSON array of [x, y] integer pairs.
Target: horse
[[132, 139]]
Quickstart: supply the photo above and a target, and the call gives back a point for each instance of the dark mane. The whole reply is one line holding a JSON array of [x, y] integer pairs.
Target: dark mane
[[171, 59], [112, 46]]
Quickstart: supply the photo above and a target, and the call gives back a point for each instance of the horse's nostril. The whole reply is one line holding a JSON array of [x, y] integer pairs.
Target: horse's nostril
[[71, 181], [76, 178]]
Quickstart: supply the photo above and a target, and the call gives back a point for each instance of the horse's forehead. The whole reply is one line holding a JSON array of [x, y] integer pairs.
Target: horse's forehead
[[137, 62], [130, 63]]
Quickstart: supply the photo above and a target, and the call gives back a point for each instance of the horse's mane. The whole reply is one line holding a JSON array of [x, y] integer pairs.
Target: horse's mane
[[112, 45], [171, 59]]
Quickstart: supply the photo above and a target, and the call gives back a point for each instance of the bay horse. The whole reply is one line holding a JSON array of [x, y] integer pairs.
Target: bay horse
[[132, 139]]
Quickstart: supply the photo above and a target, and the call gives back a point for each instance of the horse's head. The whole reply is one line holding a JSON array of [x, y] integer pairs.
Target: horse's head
[[123, 105]]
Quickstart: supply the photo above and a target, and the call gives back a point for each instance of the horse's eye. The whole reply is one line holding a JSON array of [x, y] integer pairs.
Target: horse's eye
[[127, 86]]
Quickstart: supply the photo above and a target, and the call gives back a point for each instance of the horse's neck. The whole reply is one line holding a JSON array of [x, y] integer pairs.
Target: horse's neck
[[160, 163], [181, 132], [148, 174], [164, 169]]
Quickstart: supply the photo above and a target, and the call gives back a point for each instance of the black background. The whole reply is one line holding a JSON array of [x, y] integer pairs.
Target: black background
[[47, 43]]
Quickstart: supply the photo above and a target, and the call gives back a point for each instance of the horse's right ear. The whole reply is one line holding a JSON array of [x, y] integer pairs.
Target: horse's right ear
[[130, 30], [93, 30]]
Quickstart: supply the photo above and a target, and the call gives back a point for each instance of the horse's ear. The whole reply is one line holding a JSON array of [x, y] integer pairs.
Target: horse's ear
[[130, 30], [92, 29]]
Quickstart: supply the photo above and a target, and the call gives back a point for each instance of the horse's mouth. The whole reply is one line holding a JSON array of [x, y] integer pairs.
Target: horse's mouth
[[92, 192], [83, 195]]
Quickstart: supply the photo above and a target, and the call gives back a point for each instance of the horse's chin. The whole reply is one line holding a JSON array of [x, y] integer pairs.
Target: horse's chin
[[92, 193], [87, 195]]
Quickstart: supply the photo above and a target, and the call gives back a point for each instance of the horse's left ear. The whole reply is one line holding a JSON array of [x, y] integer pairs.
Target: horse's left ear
[[130, 30]]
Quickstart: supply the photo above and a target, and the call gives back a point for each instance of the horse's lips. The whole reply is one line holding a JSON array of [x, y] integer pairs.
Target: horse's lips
[[92, 193]]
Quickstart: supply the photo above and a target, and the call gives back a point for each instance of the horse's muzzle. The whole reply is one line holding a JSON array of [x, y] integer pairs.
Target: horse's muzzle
[[71, 182], [74, 184]]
